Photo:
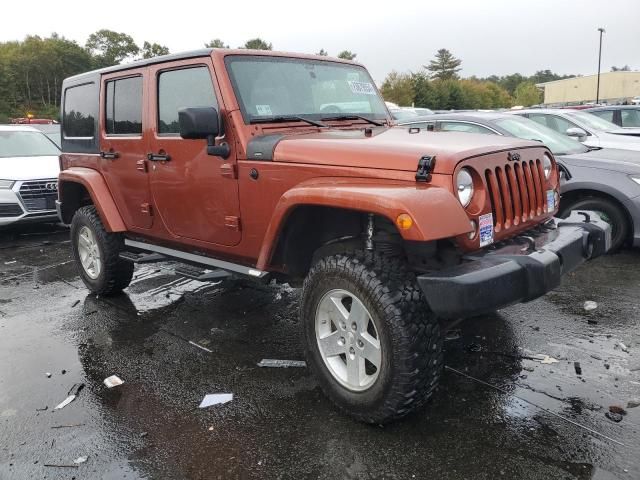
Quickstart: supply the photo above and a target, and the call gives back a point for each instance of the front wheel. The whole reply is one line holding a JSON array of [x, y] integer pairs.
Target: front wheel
[[371, 340], [97, 254]]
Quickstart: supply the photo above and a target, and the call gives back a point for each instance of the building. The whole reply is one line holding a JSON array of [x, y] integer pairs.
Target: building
[[615, 87]]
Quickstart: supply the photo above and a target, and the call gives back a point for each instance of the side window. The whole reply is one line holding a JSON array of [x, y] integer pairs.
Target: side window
[[604, 114], [541, 119], [562, 125], [78, 118], [630, 117], [123, 108], [462, 127], [421, 125], [189, 87]]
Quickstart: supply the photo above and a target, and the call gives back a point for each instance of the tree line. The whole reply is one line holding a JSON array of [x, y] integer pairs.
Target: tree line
[[32, 71], [438, 86]]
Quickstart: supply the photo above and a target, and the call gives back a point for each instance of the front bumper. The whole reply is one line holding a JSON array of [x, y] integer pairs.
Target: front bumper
[[519, 270], [13, 209]]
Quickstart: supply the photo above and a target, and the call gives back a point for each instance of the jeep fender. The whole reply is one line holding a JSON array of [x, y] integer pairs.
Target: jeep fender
[[100, 195], [436, 213]]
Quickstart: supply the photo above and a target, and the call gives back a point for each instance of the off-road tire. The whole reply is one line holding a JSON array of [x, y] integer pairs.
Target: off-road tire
[[616, 217], [409, 333], [116, 273]]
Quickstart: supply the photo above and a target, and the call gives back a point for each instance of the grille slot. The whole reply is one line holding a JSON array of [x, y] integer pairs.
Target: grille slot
[[10, 210], [517, 193]]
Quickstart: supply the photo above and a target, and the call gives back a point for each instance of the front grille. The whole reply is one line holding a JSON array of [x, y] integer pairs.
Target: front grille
[[39, 194], [10, 210], [517, 193]]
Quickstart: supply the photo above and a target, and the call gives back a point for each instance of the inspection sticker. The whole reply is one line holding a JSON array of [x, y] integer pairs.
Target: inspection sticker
[[485, 225], [551, 200], [263, 109], [363, 88]]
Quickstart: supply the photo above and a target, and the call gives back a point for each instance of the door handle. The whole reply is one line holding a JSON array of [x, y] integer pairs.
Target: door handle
[[157, 157], [109, 155]]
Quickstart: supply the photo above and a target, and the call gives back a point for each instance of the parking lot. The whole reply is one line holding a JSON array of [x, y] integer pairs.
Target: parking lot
[[279, 424]]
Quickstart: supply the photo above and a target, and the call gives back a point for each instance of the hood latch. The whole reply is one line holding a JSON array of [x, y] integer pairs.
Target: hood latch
[[425, 167]]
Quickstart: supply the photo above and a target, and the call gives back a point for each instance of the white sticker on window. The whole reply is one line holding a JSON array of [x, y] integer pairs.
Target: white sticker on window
[[485, 225], [363, 88], [263, 109]]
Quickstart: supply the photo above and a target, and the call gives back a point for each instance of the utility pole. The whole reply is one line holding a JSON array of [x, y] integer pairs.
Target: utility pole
[[601, 30]]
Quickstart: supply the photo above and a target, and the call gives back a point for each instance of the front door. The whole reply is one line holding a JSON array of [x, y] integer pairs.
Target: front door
[[196, 194], [123, 145]]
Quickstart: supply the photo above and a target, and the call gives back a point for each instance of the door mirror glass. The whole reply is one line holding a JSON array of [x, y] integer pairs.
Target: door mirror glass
[[198, 122], [577, 133]]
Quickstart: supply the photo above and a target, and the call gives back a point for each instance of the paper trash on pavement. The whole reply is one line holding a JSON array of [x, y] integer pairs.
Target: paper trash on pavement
[[113, 381], [73, 393], [215, 399], [271, 362]]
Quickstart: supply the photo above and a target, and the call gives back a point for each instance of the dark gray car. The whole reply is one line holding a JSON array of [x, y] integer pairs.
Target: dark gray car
[[605, 180]]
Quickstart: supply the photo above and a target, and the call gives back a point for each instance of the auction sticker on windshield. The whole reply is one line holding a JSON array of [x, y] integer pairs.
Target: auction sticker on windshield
[[263, 109], [363, 88], [485, 224]]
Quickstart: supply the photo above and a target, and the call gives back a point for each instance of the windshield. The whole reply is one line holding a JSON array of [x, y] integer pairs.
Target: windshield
[[284, 87], [530, 130], [591, 121], [23, 143]]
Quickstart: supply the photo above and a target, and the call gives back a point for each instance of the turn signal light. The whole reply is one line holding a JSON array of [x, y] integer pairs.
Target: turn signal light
[[404, 221]]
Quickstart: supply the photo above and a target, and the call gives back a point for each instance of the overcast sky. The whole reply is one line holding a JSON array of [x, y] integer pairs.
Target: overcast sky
[[490, 36]]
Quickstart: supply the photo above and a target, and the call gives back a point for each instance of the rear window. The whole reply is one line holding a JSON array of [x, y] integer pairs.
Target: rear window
[[79, 112], [123, 109]]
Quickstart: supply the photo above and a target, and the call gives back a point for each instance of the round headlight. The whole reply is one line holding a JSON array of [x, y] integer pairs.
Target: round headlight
[[464, 187], [547, 166]]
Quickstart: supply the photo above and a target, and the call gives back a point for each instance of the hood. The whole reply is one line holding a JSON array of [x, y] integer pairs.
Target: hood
[[627, 161], [29, 168], [614, 140], [385, 148]]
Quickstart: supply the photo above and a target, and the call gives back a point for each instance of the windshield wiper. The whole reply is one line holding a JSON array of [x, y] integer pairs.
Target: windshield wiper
[[353, 117], [287, 118]]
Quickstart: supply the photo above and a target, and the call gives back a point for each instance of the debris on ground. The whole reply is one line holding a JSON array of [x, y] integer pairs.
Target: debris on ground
[[215, 399], [144, 434], [11, 262], [274, 363], [590, 305], [60, 466], [597, 357], [452, 335], [46, 407], [75, 303], [614, 417], [113, 381], [617, 409], [633, 403], [73, 393], [200, 347], [80, 460], [577, 367], [68, 426], [544, 359], [48, 374], [622, 347]]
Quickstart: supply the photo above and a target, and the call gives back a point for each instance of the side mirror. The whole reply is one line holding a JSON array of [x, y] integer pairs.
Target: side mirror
[[577, 133], [200, 123]]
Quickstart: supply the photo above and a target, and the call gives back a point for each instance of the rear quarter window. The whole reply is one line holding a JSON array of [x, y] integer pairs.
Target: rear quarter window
[[79, 112]]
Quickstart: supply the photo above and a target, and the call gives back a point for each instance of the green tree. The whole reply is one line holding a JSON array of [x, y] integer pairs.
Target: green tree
[[445, 66], [347, 55], [257, 44], [216, 43], [398, 88], [150, 50], [111, 48], [527, 94], [322, 52]]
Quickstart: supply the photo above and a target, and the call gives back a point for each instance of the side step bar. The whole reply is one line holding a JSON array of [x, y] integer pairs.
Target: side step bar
[[172, 254]]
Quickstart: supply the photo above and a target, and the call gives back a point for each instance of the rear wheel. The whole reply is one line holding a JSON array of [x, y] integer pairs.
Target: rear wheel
[[97, 254], [371, 340], [610, 213]]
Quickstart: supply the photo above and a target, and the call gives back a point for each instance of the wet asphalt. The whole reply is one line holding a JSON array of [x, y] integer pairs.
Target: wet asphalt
[[279, 425]]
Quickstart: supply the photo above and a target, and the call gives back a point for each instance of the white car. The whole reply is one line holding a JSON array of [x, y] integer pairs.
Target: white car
[[585, 127], [28, 175]]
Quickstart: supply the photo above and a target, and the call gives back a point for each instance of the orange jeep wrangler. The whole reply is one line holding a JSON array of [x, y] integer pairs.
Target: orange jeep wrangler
[[289, 167]]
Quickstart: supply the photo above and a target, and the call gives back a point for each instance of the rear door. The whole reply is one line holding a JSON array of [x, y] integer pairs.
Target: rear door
[[123, 145], [196, 194]]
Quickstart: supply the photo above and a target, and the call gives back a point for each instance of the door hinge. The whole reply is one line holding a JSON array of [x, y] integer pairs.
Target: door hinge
[[146, 209], [141, 165], [232, 223], [425, 167], [228, 170]]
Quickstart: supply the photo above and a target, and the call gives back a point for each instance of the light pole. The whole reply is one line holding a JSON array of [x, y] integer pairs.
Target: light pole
[[601, 30]]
